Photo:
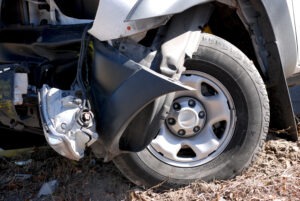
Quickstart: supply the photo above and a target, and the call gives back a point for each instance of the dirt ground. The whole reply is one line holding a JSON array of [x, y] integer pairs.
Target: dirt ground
[[274, 176]]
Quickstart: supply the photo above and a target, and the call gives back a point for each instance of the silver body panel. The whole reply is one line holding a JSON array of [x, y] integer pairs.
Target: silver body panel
[[110, 20], [127, 18], [296, 7], [152, 8], [118, 18], [294, 11]]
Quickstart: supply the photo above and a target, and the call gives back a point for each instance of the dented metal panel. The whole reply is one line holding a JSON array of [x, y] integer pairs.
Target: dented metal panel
[[110, 21], [144, 9]]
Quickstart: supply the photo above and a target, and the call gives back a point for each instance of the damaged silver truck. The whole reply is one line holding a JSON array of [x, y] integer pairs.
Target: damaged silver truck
[[168, 90]]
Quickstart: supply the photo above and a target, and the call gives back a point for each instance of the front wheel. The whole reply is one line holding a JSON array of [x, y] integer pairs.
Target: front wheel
[[211, 133]]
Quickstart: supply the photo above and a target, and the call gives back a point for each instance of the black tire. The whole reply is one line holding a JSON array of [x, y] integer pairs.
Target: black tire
[[221, 60]]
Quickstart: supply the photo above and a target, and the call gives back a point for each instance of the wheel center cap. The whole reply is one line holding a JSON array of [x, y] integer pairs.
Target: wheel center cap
[[188, 118]]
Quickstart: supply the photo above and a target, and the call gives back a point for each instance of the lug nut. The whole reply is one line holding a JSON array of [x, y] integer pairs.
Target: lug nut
[[63, 126], [201, 114], [171, 121], [181, 132], [176, 106], [192, 103], [196, 129], [86, 117], [78, 101]]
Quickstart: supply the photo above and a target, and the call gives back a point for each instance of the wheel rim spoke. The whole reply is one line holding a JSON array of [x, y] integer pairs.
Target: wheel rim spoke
[[217, 108], [192, 81], [204, 144], [167, 144]]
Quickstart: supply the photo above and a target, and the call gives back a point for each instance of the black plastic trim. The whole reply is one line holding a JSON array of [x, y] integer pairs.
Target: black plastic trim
[[120, 89]]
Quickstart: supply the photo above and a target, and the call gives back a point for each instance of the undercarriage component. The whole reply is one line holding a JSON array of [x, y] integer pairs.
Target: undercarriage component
[[7, 112], [18, 101], [183, 33], [20, 87], [68, 126], [57, 17], [39, 12]]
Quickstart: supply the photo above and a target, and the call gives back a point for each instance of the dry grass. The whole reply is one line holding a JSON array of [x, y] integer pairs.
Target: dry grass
[[275, 176]]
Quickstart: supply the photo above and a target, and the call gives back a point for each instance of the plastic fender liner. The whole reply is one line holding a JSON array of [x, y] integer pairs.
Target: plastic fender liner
[[120, 89]]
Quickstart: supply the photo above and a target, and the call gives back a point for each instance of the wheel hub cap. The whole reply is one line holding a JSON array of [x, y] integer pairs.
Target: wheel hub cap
[[187, 117]]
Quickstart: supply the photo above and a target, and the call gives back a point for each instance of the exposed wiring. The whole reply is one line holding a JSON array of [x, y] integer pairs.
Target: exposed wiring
[[82, 57]]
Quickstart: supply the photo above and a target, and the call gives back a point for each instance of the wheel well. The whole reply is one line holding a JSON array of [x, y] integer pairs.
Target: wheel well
[[226, 24]]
